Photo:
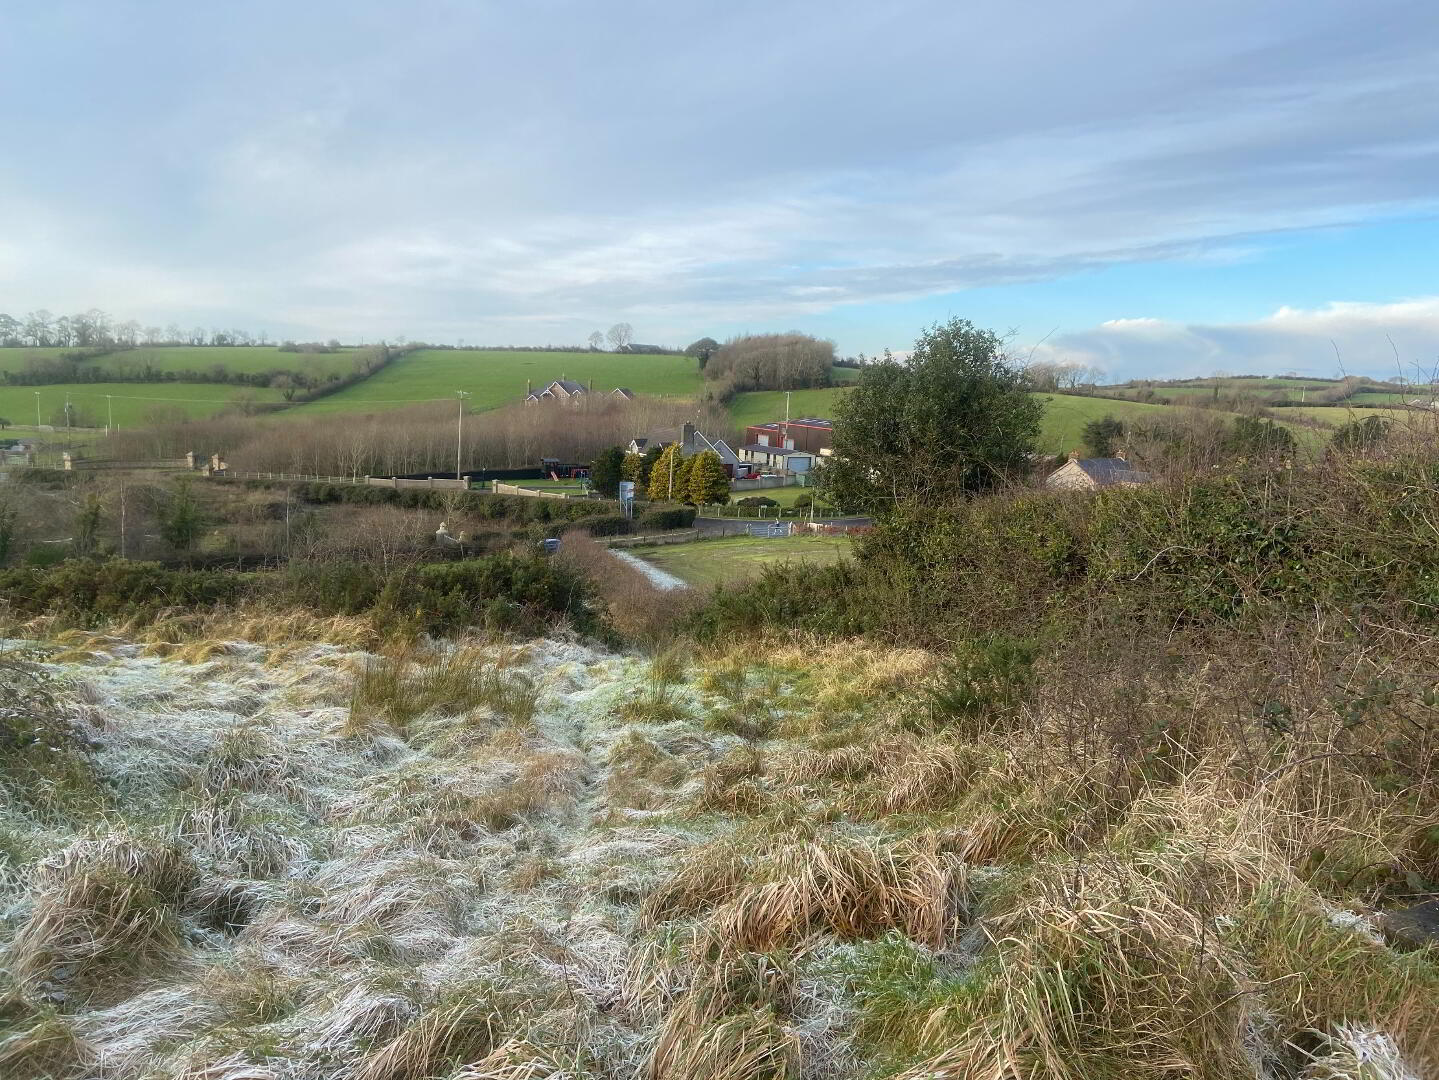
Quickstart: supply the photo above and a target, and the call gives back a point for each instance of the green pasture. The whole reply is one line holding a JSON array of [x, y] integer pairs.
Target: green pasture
[[736, 558], [494, 378], [133, 403]]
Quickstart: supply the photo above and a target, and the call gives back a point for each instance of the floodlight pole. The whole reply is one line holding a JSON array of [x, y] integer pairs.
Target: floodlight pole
[[460, 433]]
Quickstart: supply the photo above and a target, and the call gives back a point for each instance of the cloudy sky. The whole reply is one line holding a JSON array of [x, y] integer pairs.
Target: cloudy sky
[[1150, 187]]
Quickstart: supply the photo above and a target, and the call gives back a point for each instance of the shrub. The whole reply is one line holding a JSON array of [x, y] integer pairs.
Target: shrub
[[666, 520], [607, 525]]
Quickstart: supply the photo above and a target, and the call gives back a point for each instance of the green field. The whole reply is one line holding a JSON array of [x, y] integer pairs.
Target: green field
[[764, 406], [246, 359], [1335, 415], [1066, 414], [133, 403], [498, 378], [735, 558]]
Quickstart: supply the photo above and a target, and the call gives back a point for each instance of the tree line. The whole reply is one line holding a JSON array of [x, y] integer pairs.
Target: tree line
[[295, 385]]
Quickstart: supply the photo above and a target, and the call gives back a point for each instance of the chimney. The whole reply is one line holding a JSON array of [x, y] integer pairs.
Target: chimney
[[1074, 455], [529, 387]]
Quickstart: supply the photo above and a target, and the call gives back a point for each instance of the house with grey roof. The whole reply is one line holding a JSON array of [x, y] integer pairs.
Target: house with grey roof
[[1091, 474], [570, 390]]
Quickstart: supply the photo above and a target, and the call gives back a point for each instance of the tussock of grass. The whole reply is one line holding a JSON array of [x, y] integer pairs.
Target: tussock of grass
[[403, 687], [441, 1038], [49, 1047], [105, 911], [770, 892]]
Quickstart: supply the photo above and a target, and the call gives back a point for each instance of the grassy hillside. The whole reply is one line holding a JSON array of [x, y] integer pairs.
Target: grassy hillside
[[238, 358], [498, 378], [763, 406], [1066, 414], [133, 402]]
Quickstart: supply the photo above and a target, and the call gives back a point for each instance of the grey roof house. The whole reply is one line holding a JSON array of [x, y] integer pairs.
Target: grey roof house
[[1091, 474]]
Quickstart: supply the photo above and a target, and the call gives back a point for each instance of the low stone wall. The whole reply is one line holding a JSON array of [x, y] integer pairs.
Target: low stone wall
[[536, 493], [434, 483], [757, 483]]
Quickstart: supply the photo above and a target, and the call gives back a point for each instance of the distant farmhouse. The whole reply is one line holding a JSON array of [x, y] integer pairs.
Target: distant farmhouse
[[1091, 474], [569, 390], [791, 445]]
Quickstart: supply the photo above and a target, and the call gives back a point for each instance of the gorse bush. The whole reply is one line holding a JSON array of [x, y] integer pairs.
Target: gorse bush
[[501, 591]]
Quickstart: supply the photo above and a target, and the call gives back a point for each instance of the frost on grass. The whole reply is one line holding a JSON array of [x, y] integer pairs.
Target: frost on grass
[[273, 860]]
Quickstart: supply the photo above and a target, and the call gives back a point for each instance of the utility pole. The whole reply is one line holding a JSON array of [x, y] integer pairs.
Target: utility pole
[[672, 475], [37, 411], [460, 433], [109, 414], [67, 411]]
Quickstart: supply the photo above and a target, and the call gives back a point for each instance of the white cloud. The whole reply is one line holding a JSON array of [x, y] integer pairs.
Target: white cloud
[[1339, 338], [463, 170]]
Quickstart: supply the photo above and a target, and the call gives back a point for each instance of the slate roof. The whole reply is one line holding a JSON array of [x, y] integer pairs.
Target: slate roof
[[1108, 470], [569, 386]]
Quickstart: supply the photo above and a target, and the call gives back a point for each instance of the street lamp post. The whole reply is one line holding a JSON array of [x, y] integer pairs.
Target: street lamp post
[[460, 433]]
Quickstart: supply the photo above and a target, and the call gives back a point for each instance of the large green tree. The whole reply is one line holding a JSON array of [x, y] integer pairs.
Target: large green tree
[[708, 480], [945, 423], [606, 470]]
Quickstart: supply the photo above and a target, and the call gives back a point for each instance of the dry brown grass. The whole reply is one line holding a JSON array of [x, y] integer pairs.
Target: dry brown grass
[[766, 892], [444, 1036], [104, 913]]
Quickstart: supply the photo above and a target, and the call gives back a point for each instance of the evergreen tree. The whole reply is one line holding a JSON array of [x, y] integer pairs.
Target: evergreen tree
[[683, 471], [606, 470], [647, 463], [666, 476], [633, 469], [87, 526], [708, 480], [180, 521], [1102, 437]]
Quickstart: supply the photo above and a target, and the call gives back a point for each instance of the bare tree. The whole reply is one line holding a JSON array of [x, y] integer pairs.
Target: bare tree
[[596, 340], [620, 335]]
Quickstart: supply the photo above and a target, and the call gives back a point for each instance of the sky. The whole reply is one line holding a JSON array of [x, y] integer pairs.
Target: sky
[[1151, 189]]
